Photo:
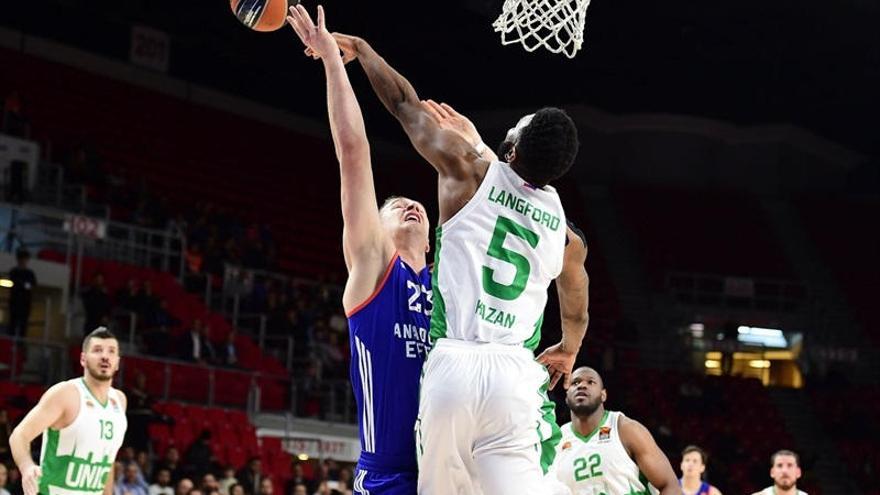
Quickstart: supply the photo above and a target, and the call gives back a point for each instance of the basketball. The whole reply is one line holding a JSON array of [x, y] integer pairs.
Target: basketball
[[261, 15]]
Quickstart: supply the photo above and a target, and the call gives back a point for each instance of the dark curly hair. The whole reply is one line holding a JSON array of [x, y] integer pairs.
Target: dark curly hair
[[546, 148]]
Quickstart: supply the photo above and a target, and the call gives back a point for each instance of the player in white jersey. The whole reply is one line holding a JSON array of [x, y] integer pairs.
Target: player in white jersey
[[604, 452], [485, 424], [785, 470], [83, 424]]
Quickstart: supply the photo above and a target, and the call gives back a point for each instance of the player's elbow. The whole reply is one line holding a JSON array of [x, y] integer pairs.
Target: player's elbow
[[352, 150], [578, 320]]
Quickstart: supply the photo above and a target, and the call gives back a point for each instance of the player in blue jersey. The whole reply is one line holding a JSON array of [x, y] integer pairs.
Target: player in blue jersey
[[387, 296], [693, 468]]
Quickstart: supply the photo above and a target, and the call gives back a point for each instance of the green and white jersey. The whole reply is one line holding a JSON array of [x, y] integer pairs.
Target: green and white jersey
[[598, 464], [495, 259], [77, 459], [770, 490]]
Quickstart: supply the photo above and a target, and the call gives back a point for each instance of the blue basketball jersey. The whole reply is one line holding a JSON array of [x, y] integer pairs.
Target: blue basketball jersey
[[703, 490], [389, 337]]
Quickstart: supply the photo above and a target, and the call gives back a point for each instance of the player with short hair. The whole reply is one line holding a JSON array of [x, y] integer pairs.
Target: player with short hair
[[785, 470], [485, 423], [605, 452], [83, 424], [387, 296], [693, 466]]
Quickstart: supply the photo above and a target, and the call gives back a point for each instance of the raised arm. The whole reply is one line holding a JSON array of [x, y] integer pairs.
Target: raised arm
[[651, 460], [450, 154], [365, 246]]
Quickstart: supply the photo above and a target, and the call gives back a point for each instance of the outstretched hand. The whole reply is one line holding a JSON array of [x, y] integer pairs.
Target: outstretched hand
[[449, 119], [559, 362], [318, 41]]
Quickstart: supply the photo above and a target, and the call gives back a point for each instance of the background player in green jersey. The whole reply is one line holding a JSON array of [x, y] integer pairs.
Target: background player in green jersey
[[785, 470], [83, 424], [605, 453]]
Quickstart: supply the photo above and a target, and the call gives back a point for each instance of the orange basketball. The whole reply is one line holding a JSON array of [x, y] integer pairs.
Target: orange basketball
[[261, 15]]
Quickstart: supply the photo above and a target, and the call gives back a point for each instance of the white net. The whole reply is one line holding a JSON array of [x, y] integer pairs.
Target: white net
[[557, 25]]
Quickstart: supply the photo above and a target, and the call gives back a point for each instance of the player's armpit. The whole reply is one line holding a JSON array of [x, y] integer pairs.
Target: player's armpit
[[647, 455]]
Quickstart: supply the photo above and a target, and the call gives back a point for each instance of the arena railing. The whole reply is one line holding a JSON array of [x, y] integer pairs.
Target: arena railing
[[40, 227], [33, 360], [763, 294], [52, 189]]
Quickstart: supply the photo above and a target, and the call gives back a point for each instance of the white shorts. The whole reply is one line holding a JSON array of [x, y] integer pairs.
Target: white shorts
[[484, 421]]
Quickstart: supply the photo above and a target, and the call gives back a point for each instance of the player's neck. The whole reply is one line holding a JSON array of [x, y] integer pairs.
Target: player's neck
[[99, 388], [777, 490], [691, 484], [415, 258], [587, 424]]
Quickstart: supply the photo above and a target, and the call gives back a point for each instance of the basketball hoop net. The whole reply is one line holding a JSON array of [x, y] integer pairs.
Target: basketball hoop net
[[557, 25]]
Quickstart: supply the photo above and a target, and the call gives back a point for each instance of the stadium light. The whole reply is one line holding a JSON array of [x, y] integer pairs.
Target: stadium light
[[766, 337], [713, 364], [5, 282], [303, 457], [759, 363]]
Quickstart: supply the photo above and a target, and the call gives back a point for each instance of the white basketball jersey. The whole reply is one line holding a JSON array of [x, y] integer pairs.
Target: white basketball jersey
[[598, 464], [772, 491], [77, 459], [495, 259]]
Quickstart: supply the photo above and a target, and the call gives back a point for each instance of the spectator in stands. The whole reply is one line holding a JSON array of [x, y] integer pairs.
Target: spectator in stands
[[145, 464], [346, 482], [228, 352], [196, 346], [126, 455], [183, 487], [267, 487], [23, 283], [97, 304], [131, 483], [209, 483], [126, 297], [227, 481], [298, 478], [251, 475], [15, 123], [171, 462], [162, 484], [299, 489], [330, 353], [200, 455], [146, 303], [140, 414], [161, 317], [4, 478], [196, 491], [236, 489]]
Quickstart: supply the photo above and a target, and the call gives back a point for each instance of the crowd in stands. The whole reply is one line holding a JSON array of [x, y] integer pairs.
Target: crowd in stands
[[308, 313]]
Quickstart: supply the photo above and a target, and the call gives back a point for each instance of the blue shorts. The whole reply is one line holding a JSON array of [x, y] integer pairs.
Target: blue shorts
[[373, 483]]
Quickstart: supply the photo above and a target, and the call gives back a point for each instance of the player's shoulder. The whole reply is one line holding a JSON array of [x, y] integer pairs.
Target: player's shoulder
[[122, 398], [567, 432], [61, 394]]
